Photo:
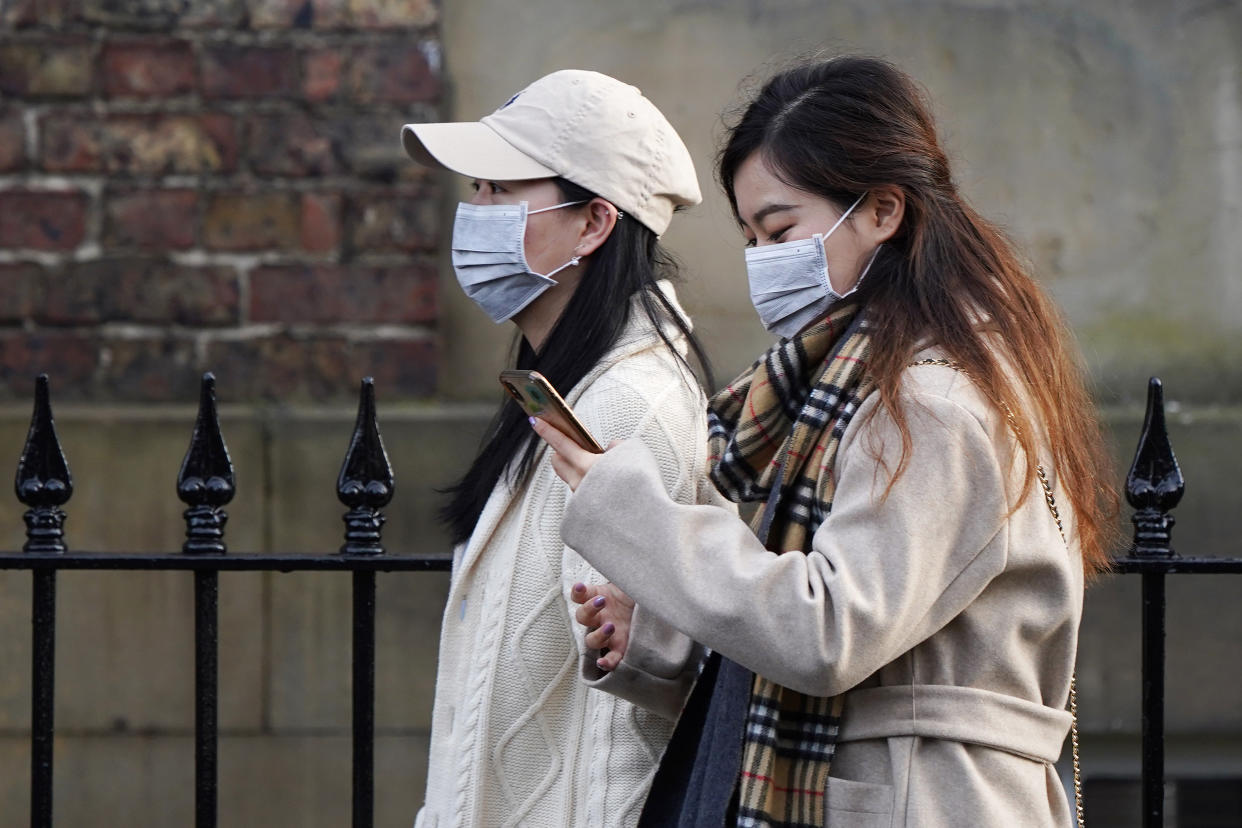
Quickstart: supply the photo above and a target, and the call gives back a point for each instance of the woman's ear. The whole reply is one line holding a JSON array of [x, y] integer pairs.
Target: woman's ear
[[884, 211], [601, 218]]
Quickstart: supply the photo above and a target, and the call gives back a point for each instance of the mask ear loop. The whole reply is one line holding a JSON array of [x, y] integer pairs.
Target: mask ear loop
[[573, 260], [531, 212], [844, 215]]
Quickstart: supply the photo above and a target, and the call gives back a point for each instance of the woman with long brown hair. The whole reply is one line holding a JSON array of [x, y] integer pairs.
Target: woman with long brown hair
[[894, 636]]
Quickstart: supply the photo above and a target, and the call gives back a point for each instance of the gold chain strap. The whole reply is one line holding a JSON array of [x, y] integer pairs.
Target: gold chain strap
[[1056, 516]]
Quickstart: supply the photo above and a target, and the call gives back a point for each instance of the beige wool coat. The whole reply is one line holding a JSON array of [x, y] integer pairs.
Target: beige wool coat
[[947, 612]]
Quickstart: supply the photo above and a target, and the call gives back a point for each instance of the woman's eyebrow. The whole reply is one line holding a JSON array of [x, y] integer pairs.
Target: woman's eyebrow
[[768, 210]]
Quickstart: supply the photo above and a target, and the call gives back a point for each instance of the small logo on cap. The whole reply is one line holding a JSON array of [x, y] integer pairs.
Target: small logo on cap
[[511, 100]]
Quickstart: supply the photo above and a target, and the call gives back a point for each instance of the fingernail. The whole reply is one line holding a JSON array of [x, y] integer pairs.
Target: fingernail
[[532, 420], [598, 602], [608, 629], [600, 663], [579, 587]]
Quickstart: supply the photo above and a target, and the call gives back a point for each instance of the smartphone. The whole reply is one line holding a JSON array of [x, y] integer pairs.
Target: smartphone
[[539, 399]]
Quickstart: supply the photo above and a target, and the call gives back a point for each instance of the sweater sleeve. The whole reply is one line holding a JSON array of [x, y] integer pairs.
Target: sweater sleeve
[[661, 663], [886, 570]]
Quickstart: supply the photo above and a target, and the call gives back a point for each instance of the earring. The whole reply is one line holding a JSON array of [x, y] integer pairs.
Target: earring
[[620, 215], [573, 261]]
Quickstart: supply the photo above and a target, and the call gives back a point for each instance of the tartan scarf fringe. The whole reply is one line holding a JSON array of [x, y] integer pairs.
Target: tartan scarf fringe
[[773, 435]]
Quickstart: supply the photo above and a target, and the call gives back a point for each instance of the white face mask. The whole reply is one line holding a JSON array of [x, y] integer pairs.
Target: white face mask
[[789, 284], [489, 257]]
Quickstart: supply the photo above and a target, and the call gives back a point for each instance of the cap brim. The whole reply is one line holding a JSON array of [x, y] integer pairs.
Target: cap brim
[[472, 149]]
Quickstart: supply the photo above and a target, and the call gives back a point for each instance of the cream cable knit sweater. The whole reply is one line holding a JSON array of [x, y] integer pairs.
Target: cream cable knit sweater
[[517, 737]]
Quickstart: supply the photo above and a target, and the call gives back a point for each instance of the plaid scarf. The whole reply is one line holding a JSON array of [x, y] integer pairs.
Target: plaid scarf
[[773, 434]]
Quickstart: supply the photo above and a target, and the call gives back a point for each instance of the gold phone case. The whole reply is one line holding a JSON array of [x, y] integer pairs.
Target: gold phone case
[[538, 398]]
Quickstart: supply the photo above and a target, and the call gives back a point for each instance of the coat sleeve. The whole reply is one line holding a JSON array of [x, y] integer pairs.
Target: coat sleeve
[[885, 571], [661, 662]]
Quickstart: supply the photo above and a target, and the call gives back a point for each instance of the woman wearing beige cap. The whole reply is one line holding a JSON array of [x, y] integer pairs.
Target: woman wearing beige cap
[[575, 179], [894, 634]]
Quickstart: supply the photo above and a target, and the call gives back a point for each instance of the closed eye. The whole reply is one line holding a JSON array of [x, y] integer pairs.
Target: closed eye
[[772, 238], [491, 186]]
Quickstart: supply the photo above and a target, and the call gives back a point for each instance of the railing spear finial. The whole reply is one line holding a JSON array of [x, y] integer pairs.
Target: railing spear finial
[[206, 480], [1155, 483], [365, 484], [44, 483]]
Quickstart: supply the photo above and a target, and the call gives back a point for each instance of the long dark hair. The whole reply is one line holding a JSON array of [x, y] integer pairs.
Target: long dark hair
[[841, 127], [629, 262]]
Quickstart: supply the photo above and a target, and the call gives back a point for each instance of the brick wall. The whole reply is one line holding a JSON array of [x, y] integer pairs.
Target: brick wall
[[216, 185]]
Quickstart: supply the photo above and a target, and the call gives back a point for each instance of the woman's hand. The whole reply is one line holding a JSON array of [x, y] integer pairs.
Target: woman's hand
[[570, 461], [606, 612]]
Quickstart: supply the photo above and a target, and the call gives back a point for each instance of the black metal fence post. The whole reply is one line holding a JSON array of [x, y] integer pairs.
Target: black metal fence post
[[205, 484], [365, 485], [43, 484], [1153, 487]]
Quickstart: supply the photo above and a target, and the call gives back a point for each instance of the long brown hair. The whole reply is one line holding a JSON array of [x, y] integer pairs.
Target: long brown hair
[[841, 127]]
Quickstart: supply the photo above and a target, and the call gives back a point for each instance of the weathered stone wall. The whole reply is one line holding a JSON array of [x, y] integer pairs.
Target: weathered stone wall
[[216, 184], [1106, 136]]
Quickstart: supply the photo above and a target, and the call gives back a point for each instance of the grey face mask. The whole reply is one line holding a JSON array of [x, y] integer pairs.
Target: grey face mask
[[789, 284], [489, 257]]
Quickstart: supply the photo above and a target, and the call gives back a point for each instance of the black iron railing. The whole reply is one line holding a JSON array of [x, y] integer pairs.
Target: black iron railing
[[44, 484], [206, 485], [1153, 487]]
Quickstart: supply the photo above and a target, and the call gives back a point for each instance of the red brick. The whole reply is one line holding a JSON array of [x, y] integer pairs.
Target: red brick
[[301, 14], [289, 368], [149, 69], [12, 141], [406, 223], [249, 72], [281, 14], [154, 369], [390, 73], [150, 219], [132, 14], [291, 144], [330, 14], [327, 294], [59, 66], [46, 13], [391, 14], [21, 287], [253, 221], [321, 75], [69, 359], [140, 290], [213, 14], [321, 222], [138, 144], [42, 220], [368, 149]]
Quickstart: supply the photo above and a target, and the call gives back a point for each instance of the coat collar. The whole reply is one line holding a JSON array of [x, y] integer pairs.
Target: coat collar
[[638, 335]]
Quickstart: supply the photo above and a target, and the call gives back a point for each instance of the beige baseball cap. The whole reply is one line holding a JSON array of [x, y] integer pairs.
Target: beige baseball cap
[[583, 126]]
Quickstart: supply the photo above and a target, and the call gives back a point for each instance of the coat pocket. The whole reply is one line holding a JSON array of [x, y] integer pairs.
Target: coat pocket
[[858, 804]]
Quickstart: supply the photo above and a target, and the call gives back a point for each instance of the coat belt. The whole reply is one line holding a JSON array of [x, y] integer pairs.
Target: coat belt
[[962, 714]]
